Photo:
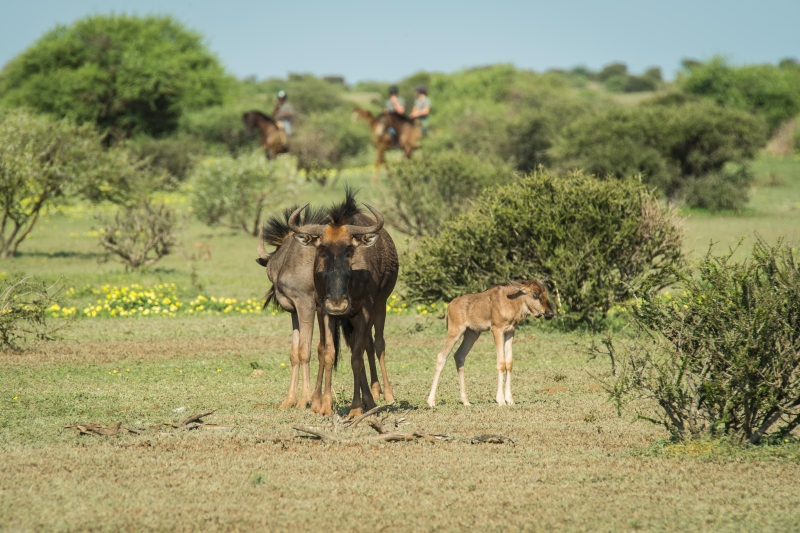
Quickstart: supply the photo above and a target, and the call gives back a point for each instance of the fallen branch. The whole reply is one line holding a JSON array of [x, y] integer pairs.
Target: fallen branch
[[93, 428], [195, 421], [371, 412]]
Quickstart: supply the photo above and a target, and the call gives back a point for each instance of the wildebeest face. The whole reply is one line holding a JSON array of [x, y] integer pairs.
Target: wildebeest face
[[333, 265], [537, 300]]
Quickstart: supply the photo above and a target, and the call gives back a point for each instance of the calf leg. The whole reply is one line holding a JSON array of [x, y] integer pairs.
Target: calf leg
[[452, 338], [509, 338], [499, 344], [294, 360], [461, 355]]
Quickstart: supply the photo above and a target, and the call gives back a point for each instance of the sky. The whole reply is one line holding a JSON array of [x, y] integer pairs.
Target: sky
[[369, 40]]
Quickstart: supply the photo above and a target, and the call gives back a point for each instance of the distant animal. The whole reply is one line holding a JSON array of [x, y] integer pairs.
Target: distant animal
[[290, 268], [408, 133], [355, 271], [499, 310], [274, 140]]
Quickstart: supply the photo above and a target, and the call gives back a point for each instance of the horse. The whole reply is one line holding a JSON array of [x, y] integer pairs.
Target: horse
[[408, 133], [274, 140]]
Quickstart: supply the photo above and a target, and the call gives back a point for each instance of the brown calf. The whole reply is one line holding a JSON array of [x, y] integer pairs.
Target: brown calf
[[499, 309]]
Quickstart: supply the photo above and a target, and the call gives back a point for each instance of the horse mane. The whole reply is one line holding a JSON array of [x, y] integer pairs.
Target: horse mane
[[261, 116], [343, 213], [276, 230], [400, 117]]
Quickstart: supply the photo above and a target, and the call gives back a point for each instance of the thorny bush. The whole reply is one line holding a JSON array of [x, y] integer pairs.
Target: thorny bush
[[23, 305], [595, 238], [721, 355]]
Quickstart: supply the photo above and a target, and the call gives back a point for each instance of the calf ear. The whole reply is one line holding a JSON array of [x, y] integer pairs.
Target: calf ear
[[261, 261], [306, 240], [368, 239]]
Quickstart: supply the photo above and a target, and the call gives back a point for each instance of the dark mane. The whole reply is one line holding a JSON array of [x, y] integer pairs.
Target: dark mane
[[260, 115], [344, 212], [276, 229]]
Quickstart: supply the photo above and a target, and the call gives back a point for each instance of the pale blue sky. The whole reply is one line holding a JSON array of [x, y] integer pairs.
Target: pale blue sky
[[389, 40]]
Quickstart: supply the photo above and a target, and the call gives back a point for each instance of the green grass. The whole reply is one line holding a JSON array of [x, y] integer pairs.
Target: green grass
[[575, 464]]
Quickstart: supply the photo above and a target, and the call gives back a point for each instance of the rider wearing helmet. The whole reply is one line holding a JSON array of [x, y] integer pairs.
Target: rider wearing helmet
[[395, 102], [422, 107], [284, 112]]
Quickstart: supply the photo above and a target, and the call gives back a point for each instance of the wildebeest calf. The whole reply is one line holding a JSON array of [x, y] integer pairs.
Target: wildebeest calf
[[498, 309]]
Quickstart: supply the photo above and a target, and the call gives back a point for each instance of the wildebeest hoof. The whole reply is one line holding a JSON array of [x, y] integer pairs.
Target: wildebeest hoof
[[465, 402], [354, 413], [501, 401], [388, 395], [302, 404], [287, 404], [316, 404], [376, 390]]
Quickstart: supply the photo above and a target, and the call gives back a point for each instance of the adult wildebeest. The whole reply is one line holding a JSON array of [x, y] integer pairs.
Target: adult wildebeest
[[355, 271], [290, 268], [499, 309], [274, 140], [408, 133]]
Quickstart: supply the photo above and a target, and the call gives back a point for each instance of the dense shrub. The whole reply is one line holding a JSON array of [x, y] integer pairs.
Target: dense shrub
[[613, 70], [431, 188], [671, 146], [217, 125], [767, 90], [234, 192], [139, 235], [130, 74], [325, 141], [44, 162], [24, 302], [174, 155], [595, 238], [637, 84], [720, 354]]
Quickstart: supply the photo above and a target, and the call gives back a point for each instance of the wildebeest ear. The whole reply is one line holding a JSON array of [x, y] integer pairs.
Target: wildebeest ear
[[368, 239], [306, 240], [261, 261]]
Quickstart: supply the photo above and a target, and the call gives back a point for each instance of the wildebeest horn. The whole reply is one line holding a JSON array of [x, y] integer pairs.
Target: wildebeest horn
[[309, 229], [520, 289], [361, 230]]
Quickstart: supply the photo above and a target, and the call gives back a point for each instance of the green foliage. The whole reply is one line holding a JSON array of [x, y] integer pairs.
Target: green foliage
[[139, 235], [431, 188], [637, 84], [325, 141], [23, 305], [307, 93], [173, 156], [217, 125], [234, 192], [671, 146], [44, 162], [129, 74], [613, 70], [766, 90], [720, 355], [595, 238]]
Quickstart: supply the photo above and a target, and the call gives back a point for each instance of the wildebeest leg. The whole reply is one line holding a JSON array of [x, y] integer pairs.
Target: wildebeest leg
[[362, 397], [461, 355], [509, 338], [452, 338], [375, 385], [380, 351], [326, 405], [499, 344], [294, 359], [306, 320], [316, 398]]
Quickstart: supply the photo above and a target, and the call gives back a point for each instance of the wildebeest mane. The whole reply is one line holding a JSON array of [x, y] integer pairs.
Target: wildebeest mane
[[343, 213], [276, 229]]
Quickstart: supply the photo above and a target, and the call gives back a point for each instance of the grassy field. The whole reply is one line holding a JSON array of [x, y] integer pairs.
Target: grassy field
[[574, 464]]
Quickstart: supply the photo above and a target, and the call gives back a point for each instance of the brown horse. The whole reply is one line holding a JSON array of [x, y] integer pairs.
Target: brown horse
[[408, 132], [274, 140]]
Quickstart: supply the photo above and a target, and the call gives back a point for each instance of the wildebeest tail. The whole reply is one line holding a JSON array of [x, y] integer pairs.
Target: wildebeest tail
[[269, 298]]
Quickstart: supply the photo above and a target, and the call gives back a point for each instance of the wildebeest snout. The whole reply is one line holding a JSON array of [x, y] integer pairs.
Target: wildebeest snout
[[548, 315], [336, 306]]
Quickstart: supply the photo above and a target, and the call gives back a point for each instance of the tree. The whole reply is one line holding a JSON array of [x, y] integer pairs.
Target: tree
[[43, 161], [126, 74]]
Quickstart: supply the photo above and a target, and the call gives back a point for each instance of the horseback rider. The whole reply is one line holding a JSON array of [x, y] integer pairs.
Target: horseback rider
[[422, 107], [395, 104], [284, 113]]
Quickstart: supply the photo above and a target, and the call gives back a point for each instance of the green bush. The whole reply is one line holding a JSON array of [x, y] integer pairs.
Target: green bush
[[431, 188], [129, 74], [24, 303], [325, 141], [638, 84], [766, 90], [139, 235], [719, 355], [174, 155], [613, 70], [671, 146], [44, 162], [595, 238], [217, 125], [235, 192]]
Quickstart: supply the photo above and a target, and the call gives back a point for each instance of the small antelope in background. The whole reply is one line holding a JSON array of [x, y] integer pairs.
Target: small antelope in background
[[499, 309]]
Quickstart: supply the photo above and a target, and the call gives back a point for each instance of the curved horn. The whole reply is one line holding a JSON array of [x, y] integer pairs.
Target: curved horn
[[361, 230], [520, 289], [309, 229]]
